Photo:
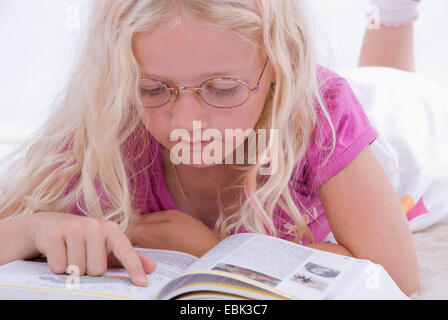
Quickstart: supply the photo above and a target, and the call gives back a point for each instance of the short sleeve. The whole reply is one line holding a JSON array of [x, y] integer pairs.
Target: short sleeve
[[352, 130]]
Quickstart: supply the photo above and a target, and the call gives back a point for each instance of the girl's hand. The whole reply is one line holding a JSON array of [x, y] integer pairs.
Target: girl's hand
[[90, 244], [173, 230]]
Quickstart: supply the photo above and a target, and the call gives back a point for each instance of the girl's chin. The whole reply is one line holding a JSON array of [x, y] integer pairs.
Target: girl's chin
[[196, 163]]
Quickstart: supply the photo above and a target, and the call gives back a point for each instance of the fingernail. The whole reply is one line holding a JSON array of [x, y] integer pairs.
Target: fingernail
[[142, 279]]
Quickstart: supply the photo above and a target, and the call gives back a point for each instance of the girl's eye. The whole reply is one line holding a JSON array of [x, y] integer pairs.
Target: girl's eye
[[223, 92], [152, 91]]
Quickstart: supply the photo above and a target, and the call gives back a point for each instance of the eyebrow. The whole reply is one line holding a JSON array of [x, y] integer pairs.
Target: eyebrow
[[204, 76]]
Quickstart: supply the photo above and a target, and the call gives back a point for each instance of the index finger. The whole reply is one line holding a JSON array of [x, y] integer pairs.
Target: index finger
[[149, 265], [123, 250]]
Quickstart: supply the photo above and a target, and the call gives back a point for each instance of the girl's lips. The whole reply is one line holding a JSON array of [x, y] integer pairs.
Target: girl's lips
[[196, 144]]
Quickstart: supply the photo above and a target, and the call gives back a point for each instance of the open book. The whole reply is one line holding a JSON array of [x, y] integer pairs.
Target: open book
[[243, 266]]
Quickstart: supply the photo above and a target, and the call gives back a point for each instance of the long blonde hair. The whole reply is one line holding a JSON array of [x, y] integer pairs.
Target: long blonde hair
[[85, 137]]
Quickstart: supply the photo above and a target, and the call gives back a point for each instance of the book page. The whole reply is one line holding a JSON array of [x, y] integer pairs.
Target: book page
[[282, 267], [34, 280], [377, 284], [169, 263], [318, 275], [349, 282], [225, 248]]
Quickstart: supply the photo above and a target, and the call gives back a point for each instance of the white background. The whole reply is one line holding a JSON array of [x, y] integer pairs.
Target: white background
[[39, 40]]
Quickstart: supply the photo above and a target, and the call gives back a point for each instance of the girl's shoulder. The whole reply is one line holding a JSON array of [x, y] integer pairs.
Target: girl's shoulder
[[341, 132], [326, 77], [332, 86]]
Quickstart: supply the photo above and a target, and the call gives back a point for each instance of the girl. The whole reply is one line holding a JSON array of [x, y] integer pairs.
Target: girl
[[101, 174]]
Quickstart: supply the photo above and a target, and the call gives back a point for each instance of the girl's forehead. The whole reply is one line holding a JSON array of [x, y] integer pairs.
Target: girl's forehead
[[184, 35], [193, 40], [193, 53]]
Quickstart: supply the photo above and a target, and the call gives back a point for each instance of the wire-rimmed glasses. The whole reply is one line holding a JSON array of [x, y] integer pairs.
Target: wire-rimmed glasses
[[222, 93]]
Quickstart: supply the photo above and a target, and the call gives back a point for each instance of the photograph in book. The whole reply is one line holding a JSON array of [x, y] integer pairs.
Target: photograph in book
[[309, 282], [251, 274], [321, 270], [315, 276]]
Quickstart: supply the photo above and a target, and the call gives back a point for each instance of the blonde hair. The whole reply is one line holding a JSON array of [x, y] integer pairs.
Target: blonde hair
[[86, 137]]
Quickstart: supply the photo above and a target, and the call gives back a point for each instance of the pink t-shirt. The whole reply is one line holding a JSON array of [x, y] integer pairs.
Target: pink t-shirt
[[353, 134]]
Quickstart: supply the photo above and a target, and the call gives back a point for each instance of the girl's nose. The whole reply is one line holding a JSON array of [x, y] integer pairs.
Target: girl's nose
[[186, 108]]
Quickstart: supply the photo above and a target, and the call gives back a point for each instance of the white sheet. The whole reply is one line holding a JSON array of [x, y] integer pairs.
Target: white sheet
[[410, 114]]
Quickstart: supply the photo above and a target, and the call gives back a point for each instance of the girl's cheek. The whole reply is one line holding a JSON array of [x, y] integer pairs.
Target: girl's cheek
[[151, 119], [143, 115]]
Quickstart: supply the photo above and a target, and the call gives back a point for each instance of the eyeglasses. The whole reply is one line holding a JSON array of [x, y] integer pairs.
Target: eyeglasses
[[222, 93]]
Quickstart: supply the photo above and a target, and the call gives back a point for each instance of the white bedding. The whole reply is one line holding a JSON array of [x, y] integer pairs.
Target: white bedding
[[432, 249], [410, 114]]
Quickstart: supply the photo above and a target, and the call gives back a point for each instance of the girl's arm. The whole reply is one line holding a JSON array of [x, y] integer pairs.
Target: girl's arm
[[368, 221]]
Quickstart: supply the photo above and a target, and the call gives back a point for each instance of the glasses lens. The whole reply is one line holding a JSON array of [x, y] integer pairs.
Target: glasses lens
[[224, 93], [153, 93]]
